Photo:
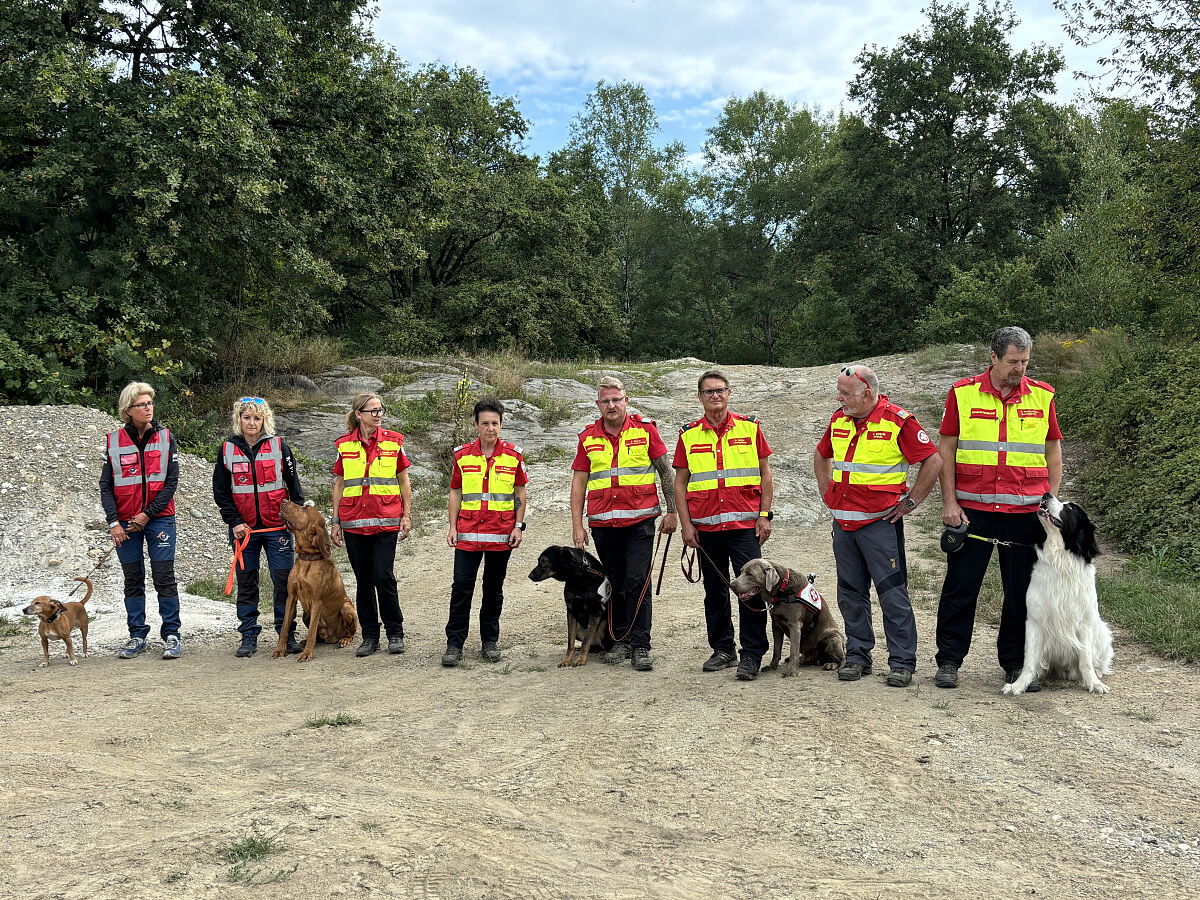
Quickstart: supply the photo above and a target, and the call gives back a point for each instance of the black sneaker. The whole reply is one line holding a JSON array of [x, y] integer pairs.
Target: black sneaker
[[1013, 674], [618, 654], [747, 669], [641, 659], [452, 657], [947, 676], [853, 671], [248, 647], [367, 647], [721, 659], [293, 644], [899, 678], [491, 651], [396, 644]]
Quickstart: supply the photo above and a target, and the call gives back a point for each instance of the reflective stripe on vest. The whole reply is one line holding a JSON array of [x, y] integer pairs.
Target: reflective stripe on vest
[[272, 451], [623, 514], [724, 473], [488, 498], [1010, 499], [160, 443], [479, 538], [1003, 447], [725, 517], [870, 467], [874, 445], [370, 523], [855, 515]]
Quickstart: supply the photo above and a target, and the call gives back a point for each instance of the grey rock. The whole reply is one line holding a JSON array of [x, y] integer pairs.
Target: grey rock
[[196, 513]]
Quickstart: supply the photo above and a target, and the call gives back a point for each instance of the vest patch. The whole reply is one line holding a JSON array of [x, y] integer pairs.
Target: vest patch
[[879, 435], [129, 459], [1031, 413], [740, 442], [594, 448], [241, 467], [983, 414], [471, 468], [389, 452], [702, 448], [351, 454], [637, 442], [507, 470], [840, 433]]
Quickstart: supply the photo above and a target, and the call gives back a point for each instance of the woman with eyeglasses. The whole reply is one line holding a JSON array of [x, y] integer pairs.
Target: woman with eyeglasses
[[372, 503], [254, 474], [137, 490]]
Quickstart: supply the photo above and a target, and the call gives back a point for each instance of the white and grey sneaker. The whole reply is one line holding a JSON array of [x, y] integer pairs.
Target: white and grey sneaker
[[131, 648], [173, 648]]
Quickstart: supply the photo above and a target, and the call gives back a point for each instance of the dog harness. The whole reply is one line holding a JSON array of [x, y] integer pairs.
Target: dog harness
[[809, 596]]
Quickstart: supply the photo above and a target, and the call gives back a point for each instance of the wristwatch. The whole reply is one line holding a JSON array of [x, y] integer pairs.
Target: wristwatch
[[766, 514], [910, 503], [520, 526]]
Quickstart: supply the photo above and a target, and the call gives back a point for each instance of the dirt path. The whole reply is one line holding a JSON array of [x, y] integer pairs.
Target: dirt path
[[523, 780]]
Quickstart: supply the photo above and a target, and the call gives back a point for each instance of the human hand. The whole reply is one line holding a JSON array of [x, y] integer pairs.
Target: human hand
[[579, 536], [688, 532], [515, 538], [138, 522], [118, 535], [762, 530], [953, 514], [336, 535], [452, 537], [240, 531], [669, 523], [405, 527]]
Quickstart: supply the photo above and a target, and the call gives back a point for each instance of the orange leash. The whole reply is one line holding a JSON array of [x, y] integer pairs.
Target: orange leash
[[645, 587], [238, 546]]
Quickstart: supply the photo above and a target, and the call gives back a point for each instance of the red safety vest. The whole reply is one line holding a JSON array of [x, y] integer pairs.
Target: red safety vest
[[488, 514], [869, 470], [258, 488], [138, 475], [620, 486], [1000, 461], [371, 501], [725, 483]]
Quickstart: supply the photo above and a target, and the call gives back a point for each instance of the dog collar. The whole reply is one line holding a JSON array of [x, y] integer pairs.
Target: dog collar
[[787, 573], [311, 557], [55, 616]]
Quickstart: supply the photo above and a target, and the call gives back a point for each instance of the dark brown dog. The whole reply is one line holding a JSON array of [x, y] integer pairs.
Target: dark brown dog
[[58, 620], [315, 584], [817, 635]]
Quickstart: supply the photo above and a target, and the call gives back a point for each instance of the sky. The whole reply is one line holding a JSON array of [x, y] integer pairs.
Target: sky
[[690, 56]]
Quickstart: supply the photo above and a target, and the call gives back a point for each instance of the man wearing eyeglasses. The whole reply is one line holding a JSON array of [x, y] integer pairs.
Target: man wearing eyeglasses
[[861, 464], [614, 468], [1002, 450], [723, 491]]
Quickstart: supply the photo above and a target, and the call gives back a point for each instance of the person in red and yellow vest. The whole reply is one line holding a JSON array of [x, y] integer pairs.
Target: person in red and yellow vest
[[487, 521], [723, 491], [1002, 450], [137, 491], [373, 503], [861, 464], [255, 472], [613, 471]]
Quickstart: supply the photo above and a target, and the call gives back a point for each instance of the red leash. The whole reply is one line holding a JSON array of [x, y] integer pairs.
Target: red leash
[[688, 565], [238, 546], [645, 587]]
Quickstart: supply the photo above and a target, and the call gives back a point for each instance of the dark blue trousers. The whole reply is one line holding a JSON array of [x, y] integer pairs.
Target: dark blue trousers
[[158, 538], [737, 547]]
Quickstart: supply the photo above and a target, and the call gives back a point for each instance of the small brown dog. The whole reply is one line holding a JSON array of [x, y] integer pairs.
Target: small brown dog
[[316, 584], [58, 620], [814, 637]]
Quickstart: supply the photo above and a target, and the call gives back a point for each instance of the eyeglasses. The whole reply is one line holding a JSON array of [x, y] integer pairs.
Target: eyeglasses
[[149, 404], [715, 392], [846, 370], [252, 400], [378, 411], [612, 401]]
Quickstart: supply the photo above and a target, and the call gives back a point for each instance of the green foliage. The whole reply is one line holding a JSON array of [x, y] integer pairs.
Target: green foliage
[[991, 292], [1159, 604], [336, 721]]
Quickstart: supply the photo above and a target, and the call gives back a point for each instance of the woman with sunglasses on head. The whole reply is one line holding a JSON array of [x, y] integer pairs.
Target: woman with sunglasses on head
[[254, 474], [372, 503], [137, 490]]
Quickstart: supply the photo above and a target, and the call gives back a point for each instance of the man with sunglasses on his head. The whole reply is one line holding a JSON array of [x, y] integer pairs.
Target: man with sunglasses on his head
[[861, 464], [723, 493]]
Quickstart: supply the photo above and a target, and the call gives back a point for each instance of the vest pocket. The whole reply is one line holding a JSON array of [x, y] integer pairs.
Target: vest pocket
[[968, 469], [886, 488], [266, 471], [153, 461]]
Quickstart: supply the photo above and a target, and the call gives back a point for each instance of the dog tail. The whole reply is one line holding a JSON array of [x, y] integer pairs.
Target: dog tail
[[88, 595]]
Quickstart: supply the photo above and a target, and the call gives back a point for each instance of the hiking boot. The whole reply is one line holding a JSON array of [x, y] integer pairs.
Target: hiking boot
[[947, 676], [293, 645], [899, 678], [248, 647], [618, 654], [853, 671], [396, 644], [747, 669], [173, 648], [641, 659], [367, 647], [491, 652], [131, 648], [1013, 674], [721, 659], [452, 657]]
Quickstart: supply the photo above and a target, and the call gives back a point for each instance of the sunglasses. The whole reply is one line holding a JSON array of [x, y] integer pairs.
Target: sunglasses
[[252, 400], [846, 370]]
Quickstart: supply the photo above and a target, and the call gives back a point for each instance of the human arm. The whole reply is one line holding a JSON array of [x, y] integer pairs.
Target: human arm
[[823, 469], [1054, 464], [927, 475], [108, 499], [336, 531], [762, 526], [579, 535], [666, 480], [686, 529], [952, 513], [291, 475], [405, 503], [520, 498], [455, 505]]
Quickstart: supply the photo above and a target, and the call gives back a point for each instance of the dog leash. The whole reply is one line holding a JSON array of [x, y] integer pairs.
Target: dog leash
[[238, 546], [663, 565], [997, 541], [642, 596], [103, 559], [688, 565]]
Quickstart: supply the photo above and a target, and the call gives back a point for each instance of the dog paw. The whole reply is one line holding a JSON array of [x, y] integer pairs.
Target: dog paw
[[305, 655], [278, 653], [564, 663], [831, 667], [73, 662], [1098, 688], [1010, 689], [43, 665]]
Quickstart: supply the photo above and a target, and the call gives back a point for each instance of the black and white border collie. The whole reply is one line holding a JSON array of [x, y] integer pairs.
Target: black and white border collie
[[1064, 635]]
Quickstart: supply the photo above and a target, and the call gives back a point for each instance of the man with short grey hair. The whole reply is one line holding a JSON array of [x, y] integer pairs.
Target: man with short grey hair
[[614, 468], [1001, 450], [861, 464]]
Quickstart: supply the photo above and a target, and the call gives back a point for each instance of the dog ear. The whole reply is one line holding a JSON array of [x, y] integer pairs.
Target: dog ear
[[320, 539], [771, 577], [1088, 547]]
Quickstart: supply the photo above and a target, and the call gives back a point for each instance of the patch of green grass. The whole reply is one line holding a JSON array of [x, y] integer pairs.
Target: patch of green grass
[[1141, 713], [174, 877], [14, 627], [332, 721], [370, 827], [242, 874], [211, 587], [248, 849], [506, 670], [554, 410], [550, 454], [1159, 604], [175, 804], [535, 669], [417, 416], [393, 380]]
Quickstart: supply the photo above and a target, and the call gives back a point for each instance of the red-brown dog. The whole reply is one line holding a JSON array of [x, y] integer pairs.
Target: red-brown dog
[[58, 620]]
